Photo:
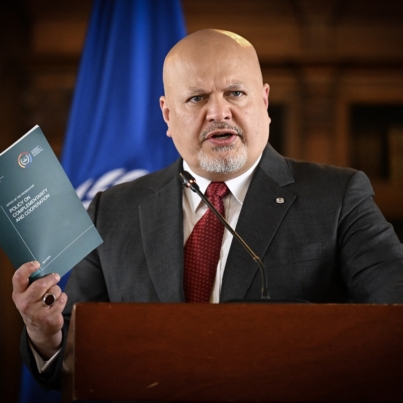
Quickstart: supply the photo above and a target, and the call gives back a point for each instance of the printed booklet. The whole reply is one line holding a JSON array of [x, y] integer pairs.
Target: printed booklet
[[41, 216]]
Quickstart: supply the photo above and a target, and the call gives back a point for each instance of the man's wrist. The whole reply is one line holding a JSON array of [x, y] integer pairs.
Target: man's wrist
[[41, 364], [48, 347]]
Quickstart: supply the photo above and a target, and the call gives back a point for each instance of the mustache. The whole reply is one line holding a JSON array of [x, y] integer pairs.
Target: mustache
[[220, 126]]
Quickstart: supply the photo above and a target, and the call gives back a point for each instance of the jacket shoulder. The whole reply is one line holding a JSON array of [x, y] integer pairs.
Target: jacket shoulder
[[147, 184], [305, 172]]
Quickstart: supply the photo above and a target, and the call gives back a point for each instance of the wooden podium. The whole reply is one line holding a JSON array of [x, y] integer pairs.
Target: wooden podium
[[235, 352]]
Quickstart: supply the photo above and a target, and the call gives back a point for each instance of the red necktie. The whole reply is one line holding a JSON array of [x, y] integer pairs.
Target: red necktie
[[202, 249]]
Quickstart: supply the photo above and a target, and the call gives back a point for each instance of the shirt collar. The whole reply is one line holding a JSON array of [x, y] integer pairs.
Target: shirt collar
[[237, 186]]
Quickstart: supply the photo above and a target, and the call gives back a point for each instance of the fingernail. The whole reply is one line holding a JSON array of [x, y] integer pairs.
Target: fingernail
[[36, 264], [57, 277]]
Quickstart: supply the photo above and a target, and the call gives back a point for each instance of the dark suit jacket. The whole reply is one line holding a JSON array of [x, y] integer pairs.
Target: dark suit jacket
[[328, 241]]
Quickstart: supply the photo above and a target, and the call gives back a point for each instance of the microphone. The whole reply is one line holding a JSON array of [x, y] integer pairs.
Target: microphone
[[190, 182]]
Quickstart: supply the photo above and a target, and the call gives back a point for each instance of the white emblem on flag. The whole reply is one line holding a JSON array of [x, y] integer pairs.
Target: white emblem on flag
[[88, 189]]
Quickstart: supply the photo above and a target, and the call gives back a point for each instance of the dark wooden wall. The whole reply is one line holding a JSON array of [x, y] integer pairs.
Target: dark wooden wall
[[322, 59]]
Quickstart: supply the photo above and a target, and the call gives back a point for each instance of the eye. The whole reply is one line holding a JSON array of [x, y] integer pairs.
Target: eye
[[237, 93], [196, 99]]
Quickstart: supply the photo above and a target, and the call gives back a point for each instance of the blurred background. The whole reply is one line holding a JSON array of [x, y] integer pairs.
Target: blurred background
[[335, 68]]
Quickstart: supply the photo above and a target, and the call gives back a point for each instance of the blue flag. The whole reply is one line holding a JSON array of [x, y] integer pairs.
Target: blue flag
[[116, 132]]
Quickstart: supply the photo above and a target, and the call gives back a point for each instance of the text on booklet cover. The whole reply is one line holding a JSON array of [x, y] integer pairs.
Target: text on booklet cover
[[41, 216]]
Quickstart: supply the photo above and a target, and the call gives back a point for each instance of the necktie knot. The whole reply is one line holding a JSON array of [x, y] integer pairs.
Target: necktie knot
[[217, 189]]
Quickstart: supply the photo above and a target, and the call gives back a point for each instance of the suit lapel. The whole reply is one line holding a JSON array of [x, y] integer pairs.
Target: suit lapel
[[260, 218], [161, 220]]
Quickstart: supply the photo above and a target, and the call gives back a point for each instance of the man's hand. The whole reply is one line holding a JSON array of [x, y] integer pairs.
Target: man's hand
[[44, 323]]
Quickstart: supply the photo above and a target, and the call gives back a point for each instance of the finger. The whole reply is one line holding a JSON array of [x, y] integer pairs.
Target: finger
[[41, 286], [60, 303], [56, 290], [51, 295], [56, 309], [21, 276]]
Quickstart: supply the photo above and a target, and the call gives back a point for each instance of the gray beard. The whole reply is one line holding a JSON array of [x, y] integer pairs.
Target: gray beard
[[223, 164]]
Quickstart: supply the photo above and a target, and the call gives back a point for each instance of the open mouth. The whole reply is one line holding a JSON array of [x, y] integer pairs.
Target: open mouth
[[221, 135], [222, 138]]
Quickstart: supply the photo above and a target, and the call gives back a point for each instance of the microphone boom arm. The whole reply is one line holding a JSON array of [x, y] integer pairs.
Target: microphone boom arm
[[190, 183]]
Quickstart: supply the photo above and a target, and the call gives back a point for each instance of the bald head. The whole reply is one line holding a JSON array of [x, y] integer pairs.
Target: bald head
[[211, 46], [215, 103]]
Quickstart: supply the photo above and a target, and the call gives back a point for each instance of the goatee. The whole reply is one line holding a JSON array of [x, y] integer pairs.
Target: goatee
[[223, 163]]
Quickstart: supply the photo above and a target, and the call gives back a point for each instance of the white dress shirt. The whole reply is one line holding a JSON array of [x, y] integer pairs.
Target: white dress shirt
[[194, 208]]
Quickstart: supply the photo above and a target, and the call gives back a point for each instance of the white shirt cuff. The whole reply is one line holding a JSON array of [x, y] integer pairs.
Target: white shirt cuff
[[41, 364]]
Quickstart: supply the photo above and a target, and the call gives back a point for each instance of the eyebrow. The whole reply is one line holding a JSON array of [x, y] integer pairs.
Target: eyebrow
[[194, 90], [232, 87]]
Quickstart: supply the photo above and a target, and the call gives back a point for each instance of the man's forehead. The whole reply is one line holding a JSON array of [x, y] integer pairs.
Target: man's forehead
[[227, 66], [219, 74]]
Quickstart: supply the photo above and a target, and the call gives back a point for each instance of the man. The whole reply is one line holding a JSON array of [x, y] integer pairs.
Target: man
[[316, 228]]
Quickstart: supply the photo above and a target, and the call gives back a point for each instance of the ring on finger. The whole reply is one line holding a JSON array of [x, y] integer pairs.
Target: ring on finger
[[49, 299]]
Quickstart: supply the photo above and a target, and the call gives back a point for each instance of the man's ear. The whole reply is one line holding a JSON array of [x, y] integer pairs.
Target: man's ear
[[165, 112], [164, 108], [266, 91]]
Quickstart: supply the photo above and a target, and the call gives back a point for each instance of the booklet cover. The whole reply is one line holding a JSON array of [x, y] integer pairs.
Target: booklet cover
[[41, 216]]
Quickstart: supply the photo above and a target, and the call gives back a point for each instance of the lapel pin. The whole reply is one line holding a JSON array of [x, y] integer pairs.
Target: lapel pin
[[279, 200]]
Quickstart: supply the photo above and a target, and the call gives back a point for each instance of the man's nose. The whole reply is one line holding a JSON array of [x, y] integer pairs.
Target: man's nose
[[218, 110]]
